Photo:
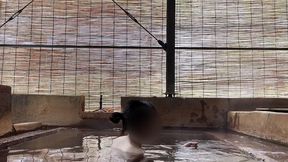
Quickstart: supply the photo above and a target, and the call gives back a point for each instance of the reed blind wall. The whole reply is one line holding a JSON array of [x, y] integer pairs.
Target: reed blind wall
[[225, 48]]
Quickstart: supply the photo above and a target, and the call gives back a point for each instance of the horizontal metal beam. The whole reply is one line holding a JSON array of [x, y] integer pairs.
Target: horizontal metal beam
[[74, 46], [146, 47], [234, 48]]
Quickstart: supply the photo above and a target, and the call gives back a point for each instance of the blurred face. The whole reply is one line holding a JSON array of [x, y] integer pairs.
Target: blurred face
[[146, 132]]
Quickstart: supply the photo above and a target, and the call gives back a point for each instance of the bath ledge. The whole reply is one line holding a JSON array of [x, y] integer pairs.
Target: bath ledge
[[16, 139]]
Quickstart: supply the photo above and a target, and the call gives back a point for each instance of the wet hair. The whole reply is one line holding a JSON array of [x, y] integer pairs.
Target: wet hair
[[135, 116]]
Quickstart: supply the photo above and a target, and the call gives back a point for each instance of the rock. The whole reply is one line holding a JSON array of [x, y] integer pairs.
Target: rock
[[191, 144], [29, 126]]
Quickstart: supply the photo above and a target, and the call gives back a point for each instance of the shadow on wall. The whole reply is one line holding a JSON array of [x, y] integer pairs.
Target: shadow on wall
[[5, 110], [189, 112], [203, 112], [3, 154]]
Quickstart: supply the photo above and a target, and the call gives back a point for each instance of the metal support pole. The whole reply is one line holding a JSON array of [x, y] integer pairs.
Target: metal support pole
[[170, 52]]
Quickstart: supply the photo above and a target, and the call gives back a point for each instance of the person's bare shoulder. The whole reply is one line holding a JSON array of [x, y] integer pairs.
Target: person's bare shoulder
[[123, 148]]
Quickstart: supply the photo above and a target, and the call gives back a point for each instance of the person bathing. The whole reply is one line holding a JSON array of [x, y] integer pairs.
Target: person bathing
[[140, 125]]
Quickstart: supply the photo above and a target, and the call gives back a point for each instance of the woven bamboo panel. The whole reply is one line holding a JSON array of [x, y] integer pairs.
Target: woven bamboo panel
[[232, 24], [92, 71]]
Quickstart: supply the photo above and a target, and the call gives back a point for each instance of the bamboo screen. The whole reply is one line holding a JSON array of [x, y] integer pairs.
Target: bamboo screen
[[255, 24], [89, 47], [66, 58]]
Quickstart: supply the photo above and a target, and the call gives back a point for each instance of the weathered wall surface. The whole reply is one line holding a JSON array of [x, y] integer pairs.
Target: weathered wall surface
[[5, 110], [267, 125], [49, 110], [203, 112], [181, 112]]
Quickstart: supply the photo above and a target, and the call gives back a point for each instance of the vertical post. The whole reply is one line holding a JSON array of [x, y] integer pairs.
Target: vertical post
[[170, 52]]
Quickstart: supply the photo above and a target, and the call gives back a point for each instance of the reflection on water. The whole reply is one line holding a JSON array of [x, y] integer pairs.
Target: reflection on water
[[95, 146]]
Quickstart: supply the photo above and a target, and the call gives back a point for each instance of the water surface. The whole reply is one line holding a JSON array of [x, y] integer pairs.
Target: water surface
[[87, 145]]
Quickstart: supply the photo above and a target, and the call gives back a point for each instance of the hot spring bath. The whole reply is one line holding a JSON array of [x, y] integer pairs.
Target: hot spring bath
[[91, 145]]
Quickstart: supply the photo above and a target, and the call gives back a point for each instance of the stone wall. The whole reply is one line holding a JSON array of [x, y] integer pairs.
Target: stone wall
[[188, 112], [267, 125], [49, 110], [203, 112], [5, 110]]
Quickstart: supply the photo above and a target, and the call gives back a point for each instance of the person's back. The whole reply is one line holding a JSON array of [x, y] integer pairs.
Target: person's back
[[140, 121], [123, 148]]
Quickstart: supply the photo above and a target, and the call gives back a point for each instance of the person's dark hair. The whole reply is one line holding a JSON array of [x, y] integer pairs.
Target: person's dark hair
[[136, 114]]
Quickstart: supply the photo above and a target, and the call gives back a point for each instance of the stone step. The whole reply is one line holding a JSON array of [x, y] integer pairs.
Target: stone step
[[28, 126]]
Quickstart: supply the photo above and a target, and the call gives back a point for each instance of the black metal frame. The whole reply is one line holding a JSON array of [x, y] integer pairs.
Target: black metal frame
[[145, 47], [170, 52]]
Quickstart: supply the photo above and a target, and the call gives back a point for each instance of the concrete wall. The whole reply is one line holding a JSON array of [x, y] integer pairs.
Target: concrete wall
[[203, 112], [267, 125], [50, 110], [187, 112], [5, 110]]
